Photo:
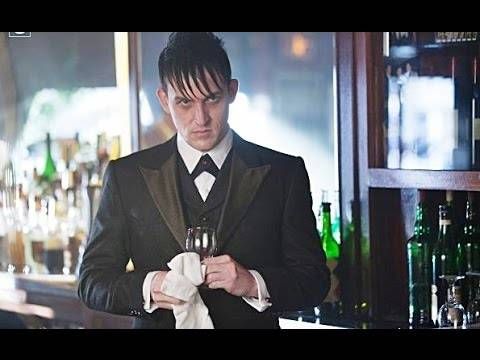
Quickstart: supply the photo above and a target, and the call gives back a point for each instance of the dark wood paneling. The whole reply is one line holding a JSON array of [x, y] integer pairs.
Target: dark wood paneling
[[351, 281], [388, 250], [365, 110]]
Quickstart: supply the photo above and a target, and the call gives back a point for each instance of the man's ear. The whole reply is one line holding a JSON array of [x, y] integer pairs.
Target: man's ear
[[163, 99], [232, 90]]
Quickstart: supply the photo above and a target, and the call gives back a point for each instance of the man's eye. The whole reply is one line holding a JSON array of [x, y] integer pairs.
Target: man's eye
[[184, 101], [212, 98]]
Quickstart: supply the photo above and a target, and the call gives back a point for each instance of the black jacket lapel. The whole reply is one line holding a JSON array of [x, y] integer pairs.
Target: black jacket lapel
[[163, 187], [245, 180]]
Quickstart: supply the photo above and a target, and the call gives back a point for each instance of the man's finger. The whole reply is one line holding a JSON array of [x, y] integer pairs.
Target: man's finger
[[217, 285], [214, 268], [222, 259], [213, 277]]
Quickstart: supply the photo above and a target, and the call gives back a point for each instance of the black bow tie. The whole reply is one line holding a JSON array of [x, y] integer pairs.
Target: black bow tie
[[205, 164]]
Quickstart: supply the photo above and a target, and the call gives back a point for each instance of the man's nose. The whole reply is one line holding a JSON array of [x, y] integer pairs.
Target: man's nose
[[201, 114]]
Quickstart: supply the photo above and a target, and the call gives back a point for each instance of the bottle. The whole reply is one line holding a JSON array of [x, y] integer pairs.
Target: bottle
[[12, 225], [54, 245], [38, 220], [4, 260], [77, 231], [419, 260], [360, 308], [444, 235], [447, 258], [50, 171], [115, 148], [330, 310], [335, 214], [102, 156], [471, 233]]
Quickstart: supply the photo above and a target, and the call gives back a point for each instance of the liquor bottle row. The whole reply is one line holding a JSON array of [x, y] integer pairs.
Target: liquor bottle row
[[443, 262], [45, 216]]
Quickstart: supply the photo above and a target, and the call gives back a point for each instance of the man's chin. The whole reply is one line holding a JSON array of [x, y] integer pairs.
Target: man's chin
[[203, 145]]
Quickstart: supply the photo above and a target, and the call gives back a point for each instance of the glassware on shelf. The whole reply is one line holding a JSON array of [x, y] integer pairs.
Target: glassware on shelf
[[473, 307], [12, 245], [452, 313]]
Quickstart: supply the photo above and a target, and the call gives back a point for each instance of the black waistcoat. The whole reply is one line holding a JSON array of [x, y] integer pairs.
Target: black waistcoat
[[196, 211]]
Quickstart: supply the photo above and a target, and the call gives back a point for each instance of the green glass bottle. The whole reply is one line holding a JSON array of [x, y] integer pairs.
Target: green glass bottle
[[472, 236], [471, 242], [448, 255], [419, 260], [330, 310], [50, 171], [330, 246], [360, 309]]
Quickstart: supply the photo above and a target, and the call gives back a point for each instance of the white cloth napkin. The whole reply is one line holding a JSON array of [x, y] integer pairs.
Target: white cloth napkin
[[181, 282]]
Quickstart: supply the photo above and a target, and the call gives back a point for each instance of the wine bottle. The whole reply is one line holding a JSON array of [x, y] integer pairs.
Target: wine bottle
[[50, 171], [419, 260], [330, 310]]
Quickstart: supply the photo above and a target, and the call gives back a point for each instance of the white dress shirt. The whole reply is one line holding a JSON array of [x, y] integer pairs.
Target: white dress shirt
[[204, 183]]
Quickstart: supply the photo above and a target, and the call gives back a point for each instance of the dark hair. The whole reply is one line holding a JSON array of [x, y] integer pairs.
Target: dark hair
[[193, 54]]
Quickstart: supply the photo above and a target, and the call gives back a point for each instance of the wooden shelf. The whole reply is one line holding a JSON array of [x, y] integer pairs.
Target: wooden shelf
[[424, 179]]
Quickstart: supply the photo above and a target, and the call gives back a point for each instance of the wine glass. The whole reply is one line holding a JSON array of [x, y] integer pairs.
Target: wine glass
[[473, 307], [452, 313], [201, 240]]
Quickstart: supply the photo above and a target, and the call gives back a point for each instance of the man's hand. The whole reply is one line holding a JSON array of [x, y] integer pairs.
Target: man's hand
[[223, 272], [158, 297]]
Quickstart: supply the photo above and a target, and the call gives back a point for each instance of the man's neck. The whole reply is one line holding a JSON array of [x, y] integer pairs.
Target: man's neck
[[218, 153]]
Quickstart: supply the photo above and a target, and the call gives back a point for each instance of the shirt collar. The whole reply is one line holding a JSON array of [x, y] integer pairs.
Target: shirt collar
[[191, 156]]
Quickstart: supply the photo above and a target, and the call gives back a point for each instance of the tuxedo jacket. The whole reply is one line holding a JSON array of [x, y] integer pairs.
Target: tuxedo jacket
[[266, 224]]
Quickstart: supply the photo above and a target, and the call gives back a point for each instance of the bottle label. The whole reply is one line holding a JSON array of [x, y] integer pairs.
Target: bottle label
[[445, 222], [334, 292]]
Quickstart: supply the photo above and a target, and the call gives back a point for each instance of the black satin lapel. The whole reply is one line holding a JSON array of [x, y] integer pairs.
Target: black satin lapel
[[243, 186], [163, 187]]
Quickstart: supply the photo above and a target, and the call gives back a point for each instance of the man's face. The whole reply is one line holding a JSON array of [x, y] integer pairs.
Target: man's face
[[201, 120]]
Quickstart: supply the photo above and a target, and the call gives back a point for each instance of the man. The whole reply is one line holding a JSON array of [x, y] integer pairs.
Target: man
[[269, 255]]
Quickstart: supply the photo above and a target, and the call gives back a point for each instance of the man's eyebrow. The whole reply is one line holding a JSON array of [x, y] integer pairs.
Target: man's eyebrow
[[211, 95], [214, 93], [181, 97]]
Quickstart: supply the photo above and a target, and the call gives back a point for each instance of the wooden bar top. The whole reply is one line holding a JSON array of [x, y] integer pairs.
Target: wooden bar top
[[54, 299]]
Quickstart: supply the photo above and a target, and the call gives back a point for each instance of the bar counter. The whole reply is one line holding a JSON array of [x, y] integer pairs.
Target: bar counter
[[53, 300]]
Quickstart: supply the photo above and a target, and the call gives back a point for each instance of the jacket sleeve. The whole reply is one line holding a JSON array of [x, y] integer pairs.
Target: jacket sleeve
[[104, 284], [303, 280]]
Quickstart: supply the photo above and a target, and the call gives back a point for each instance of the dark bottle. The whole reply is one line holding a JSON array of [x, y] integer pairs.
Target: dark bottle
[[419, 259], [471, 242], [471, 232]]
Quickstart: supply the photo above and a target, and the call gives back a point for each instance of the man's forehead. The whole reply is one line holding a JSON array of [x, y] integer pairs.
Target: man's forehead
[[194, 87]]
